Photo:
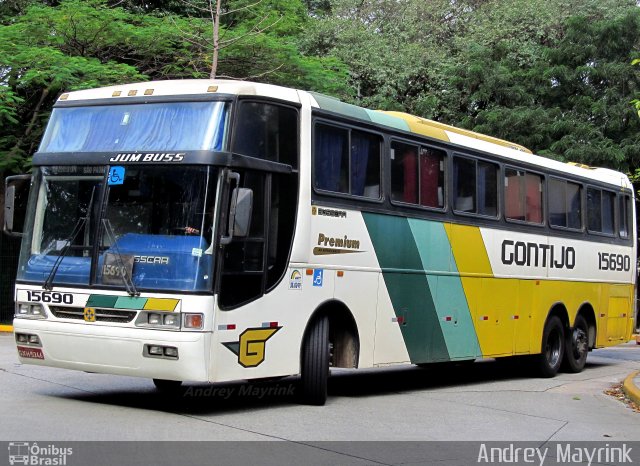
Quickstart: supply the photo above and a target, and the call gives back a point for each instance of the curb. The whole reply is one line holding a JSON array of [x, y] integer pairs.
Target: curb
[[6, 328], [630, 389]]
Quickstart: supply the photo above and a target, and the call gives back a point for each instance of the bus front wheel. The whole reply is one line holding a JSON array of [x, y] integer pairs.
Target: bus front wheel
[[553, 345], [315, 363], [576, 346]]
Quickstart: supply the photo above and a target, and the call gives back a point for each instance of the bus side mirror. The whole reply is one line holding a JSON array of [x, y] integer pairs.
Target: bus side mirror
[[240, 210], [242, 215], [16, 193]]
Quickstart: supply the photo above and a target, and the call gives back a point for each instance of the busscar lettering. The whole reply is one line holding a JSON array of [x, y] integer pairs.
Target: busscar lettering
[[149, 157], [526, 254], [160, 260]]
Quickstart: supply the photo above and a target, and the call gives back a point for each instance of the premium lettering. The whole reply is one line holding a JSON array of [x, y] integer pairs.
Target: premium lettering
[[344, 242]]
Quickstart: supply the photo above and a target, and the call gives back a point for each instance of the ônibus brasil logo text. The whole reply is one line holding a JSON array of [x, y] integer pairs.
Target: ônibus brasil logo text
[[41, 455]]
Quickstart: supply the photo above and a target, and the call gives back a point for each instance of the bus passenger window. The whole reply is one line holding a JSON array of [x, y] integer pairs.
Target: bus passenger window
[[404, 172], [624, 215], [331, 163], [600, 211], [464, 185], [347, 161], [523, 196], [365, 164], [267, 131], [475, 186], [565, 204], [431, 177]]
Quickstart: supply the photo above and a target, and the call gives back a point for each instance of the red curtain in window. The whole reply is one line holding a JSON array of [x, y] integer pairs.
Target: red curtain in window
[[429, 173]]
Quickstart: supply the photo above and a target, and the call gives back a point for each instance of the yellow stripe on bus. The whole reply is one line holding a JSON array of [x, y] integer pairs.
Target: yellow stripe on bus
[[509, 313], [161, 304]]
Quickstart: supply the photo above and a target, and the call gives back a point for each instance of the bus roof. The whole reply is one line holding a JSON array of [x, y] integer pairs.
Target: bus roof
[[397, 120]]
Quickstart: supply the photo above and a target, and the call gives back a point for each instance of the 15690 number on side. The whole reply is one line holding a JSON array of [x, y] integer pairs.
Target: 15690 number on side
[[614, 262], [49, 297]]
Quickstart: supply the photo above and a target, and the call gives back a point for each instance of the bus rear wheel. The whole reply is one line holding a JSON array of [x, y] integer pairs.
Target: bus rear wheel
[[315, 363], [576, 346], [553, 345]]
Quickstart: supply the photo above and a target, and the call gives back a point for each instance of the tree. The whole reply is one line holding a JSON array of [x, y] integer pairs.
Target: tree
[[46, 49], [553, 75]]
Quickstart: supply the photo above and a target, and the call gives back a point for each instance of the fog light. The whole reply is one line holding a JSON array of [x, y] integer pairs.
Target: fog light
[[34, 339], [21, 337], [155, 319], [193, 320], [170, 319], [155, 350], [170, 351]]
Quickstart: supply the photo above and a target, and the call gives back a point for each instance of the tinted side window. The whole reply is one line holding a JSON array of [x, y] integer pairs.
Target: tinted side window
[[625, 215], [417, 175], [565, 204], [347, 161], [267, 131], [404, 172], [523, 196], [600, 211], [475, 187]]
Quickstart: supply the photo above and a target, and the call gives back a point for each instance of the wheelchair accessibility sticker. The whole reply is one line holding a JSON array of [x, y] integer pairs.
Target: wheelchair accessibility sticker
[[116, 176], [317, 277]]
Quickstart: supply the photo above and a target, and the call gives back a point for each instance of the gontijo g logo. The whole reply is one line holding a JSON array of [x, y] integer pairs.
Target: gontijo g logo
[[251, 347]]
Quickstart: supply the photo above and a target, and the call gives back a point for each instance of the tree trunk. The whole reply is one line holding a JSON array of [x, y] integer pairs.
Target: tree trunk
[[216, 37]]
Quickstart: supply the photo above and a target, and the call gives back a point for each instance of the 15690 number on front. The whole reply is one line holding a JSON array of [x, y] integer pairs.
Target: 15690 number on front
[[52, 297]]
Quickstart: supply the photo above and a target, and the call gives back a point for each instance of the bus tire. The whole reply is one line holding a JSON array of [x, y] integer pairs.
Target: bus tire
[[549, 361], [576, 346], [167, 386], [315, 363]]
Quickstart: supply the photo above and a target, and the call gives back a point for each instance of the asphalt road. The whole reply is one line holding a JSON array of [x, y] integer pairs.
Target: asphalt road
[[482, 401]]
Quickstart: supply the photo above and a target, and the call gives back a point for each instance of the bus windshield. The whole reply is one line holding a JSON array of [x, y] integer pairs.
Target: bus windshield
[[137, 127], [152, 226]]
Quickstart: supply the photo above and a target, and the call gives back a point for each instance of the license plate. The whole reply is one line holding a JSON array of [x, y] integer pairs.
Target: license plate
[[33, 353]]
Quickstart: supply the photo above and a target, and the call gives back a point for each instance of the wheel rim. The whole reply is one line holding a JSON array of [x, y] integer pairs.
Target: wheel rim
[[579, 343], [553, 348]]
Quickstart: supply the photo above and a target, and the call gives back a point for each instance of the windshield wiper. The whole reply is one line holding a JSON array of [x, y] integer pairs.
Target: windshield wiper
[[126, 278], [48, 283]]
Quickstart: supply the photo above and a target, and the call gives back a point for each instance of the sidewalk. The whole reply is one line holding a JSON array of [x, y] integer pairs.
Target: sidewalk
[[630, 387]]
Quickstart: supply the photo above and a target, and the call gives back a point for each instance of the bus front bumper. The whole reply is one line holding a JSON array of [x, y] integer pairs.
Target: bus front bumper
[[115, 350]]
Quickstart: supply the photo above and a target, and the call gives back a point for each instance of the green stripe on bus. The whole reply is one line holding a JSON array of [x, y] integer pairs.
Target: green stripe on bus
[[408, 287], [451, 304], [127, 302], [104, 301]]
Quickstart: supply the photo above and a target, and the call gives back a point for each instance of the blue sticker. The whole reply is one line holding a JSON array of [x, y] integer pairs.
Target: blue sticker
[[317, 277], [116, 175]]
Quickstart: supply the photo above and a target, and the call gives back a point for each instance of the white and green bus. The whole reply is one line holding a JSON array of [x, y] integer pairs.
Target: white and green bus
[[215, 231]]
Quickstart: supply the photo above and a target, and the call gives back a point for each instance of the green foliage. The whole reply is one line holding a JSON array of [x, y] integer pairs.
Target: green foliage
[[553, 75], [49, 47]]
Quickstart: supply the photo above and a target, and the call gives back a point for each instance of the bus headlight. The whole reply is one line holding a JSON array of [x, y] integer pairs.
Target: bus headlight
[[159, 320], [35, 311]]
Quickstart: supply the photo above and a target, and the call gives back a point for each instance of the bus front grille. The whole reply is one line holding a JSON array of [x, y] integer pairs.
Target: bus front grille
[[101, 315]]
